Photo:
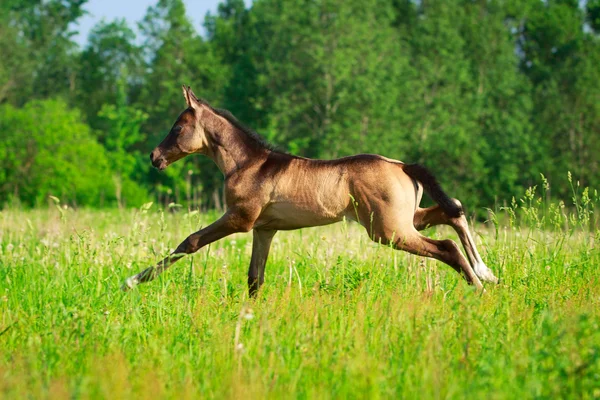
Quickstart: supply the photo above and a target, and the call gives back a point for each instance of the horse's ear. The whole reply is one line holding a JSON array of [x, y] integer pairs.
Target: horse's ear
[[190, 97]]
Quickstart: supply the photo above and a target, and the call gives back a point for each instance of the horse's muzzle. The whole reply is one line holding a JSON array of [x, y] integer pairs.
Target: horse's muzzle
[[158, 161]]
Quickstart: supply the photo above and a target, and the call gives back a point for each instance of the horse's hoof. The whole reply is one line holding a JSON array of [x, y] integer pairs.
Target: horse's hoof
[[484, 273], [128, 284]]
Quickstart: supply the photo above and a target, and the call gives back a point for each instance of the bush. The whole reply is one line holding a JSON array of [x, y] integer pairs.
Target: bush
[[47, 150]]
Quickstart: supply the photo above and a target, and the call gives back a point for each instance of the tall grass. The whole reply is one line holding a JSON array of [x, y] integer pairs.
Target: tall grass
[[338, 317]]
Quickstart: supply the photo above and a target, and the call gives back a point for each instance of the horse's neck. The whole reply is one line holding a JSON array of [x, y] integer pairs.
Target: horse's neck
[[229, 147]]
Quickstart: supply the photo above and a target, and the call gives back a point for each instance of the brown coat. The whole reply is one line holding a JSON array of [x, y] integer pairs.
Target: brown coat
[[267, 191]]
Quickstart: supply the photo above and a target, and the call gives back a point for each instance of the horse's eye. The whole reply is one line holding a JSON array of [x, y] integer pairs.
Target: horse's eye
[[178, 129]]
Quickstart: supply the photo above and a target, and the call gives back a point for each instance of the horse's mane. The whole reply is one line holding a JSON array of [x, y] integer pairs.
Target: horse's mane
[[256, 138]]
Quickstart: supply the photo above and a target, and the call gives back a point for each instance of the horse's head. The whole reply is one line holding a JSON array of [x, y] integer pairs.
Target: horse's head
[[187, 135]]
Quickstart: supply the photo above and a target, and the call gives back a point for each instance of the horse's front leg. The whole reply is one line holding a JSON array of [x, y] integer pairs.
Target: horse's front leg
[[229, 223]]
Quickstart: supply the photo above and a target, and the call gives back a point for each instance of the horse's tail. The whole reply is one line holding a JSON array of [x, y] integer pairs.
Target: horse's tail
[[433, 188]]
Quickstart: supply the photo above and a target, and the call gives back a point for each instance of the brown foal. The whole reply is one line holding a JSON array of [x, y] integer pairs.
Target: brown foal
[[267, 191]]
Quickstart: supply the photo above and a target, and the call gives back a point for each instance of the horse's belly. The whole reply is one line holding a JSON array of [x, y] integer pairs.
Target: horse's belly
[[286, 216]]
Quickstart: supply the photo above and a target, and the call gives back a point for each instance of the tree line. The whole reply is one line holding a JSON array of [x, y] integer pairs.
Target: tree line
[[488, 94]]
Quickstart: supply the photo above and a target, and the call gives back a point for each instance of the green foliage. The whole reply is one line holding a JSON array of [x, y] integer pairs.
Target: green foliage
[[177, 55], [110, 59], [321, 81], [122, 126], [561, 59], [444, 118], [508, 144], [40, 55], [47, 150], [15, 65], [487, 94]]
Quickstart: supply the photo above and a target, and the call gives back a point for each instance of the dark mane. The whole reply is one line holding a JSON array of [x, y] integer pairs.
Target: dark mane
[[259, 140]]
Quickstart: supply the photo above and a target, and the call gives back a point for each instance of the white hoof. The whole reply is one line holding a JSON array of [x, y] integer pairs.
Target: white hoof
[[484, 273], [129, 284]]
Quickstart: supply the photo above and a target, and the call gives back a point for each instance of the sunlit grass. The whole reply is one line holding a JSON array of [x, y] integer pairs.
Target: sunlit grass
[[338, 317]]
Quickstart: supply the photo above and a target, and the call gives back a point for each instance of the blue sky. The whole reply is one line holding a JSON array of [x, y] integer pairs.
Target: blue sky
[[133, 11]]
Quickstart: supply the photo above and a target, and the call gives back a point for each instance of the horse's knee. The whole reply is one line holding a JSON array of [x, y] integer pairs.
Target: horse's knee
[[188, 246]]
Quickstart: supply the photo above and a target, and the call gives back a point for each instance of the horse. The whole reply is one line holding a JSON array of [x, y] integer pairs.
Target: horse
[[268, 191]]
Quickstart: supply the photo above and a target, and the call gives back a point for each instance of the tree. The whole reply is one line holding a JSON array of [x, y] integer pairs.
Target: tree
[[110, 58], [503, 105], [177, 55], [15, 66], [487, 94], [320, 76], [441, 109], [561, 59], [231, 34]]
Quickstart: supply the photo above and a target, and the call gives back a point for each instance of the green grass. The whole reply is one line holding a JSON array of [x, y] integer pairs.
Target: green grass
[[338, 317]]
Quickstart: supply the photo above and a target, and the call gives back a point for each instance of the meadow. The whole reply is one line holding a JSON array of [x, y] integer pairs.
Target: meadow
[[338, 317]]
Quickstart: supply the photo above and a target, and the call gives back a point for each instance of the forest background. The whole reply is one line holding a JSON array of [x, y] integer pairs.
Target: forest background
[[487, 94]]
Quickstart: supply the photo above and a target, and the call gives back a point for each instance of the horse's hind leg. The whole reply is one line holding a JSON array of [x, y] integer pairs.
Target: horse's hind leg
[[397, 230], [446, 251], [261, 244], [432, 216]]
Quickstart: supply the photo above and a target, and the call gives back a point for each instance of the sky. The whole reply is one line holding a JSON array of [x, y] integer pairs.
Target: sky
[[133, 11]]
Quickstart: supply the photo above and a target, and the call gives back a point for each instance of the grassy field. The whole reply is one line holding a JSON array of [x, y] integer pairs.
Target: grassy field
[[338, 317]]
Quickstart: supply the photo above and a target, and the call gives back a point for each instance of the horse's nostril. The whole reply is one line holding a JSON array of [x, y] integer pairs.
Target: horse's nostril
[[158, 161], [155, 155]]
